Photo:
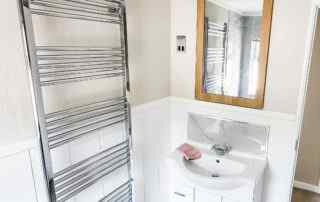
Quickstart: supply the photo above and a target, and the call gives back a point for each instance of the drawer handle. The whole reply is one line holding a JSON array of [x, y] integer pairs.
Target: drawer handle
[[179, 194]]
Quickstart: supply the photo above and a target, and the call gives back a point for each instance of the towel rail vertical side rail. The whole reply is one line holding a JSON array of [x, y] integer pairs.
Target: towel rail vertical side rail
[[28, 32]]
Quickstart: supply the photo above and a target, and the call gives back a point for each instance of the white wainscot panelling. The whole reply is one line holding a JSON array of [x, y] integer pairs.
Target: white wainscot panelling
[[151, 147], [16, 179]]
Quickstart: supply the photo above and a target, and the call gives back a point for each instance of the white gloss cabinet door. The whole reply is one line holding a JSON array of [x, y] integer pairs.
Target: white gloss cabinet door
[[16, 179], [206, 197], [182, 194]]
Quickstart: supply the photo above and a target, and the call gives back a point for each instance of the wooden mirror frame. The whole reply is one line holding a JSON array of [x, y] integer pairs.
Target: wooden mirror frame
[[265, 32]]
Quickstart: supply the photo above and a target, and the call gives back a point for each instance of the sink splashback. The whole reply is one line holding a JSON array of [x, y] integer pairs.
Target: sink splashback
[[243, 137]]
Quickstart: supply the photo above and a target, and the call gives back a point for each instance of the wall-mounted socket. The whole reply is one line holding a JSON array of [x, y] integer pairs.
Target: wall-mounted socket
[[181, 43]]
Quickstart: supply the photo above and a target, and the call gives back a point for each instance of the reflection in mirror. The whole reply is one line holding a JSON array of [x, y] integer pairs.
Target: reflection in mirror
[[232, 47]]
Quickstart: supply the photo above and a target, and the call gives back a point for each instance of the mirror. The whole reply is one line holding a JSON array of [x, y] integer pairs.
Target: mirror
[[232, 50]]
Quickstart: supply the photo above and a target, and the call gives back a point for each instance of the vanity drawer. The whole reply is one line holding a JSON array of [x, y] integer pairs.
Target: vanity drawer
[[182, 194]]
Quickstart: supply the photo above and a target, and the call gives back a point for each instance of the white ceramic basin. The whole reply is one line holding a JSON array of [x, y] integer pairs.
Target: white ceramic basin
[[214, 167], [221, 172]]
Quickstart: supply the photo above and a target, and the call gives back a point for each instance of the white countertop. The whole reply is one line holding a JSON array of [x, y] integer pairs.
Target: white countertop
[[9, 145]]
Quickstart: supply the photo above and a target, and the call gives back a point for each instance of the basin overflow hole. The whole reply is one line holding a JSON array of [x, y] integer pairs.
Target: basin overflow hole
[[217, 161]]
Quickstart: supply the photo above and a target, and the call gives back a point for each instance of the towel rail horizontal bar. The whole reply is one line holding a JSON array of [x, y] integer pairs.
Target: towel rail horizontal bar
[[58, 64], [78, 164], [60, 14], [216, 35], [213, 28], [101, 2], [73, 71], [83, 112], [215, 24], [82, 107], [91, 170], [214, 62], [215, 49], [84, 168], [73, 138], [91, 182], [73, 7], [76, 48], [59, 118], [216, 32], [83, 120], [78, 67], [80, 78], [215, 55], [105, 4], [48, 75], [122, 197], [120, 189], [98, 175], [76, 56], [84, 127], [214, 59]]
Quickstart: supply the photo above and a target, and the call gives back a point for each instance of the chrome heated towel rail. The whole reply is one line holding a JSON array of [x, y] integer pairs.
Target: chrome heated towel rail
[[60, 65]]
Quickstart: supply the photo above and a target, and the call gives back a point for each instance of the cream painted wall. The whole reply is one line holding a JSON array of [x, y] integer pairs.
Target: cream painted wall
[[149, 49], [287, 51], [308, 167], [16, 113]]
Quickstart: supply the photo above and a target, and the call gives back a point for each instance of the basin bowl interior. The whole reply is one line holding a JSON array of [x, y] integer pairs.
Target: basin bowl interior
[[214, 167]]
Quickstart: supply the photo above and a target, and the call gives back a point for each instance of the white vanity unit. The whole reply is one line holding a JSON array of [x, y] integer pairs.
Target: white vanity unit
[[236, 176]]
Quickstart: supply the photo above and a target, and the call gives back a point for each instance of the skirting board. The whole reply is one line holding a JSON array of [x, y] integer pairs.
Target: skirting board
[[306, 186]]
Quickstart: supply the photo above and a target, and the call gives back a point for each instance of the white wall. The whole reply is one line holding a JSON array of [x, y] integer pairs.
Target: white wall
[[149, 45], [16, 113], [151, 148], [289, 31]]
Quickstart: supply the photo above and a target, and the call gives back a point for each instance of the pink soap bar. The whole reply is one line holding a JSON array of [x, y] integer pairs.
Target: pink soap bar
[[189, 152]]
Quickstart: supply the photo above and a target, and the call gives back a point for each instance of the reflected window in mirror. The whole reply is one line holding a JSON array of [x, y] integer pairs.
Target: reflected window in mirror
[[232, 47]]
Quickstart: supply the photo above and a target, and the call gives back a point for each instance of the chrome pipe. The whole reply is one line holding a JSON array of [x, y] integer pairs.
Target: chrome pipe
[[121, 188], [78, 79], [95, 176], [82, 169], [81, 113], [63, 5], [74, 166], [121, 197], [73, 71], [62, 142], [77, 108], [88, 171], [66, 73], [65, 197], [80, 129], [82, 120], [45, 58], [119, 62], [76, 48], [90, 3], [60, 14]]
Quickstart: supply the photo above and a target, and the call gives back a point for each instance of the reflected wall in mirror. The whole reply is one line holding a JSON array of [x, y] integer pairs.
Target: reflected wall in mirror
[[232, 50]]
